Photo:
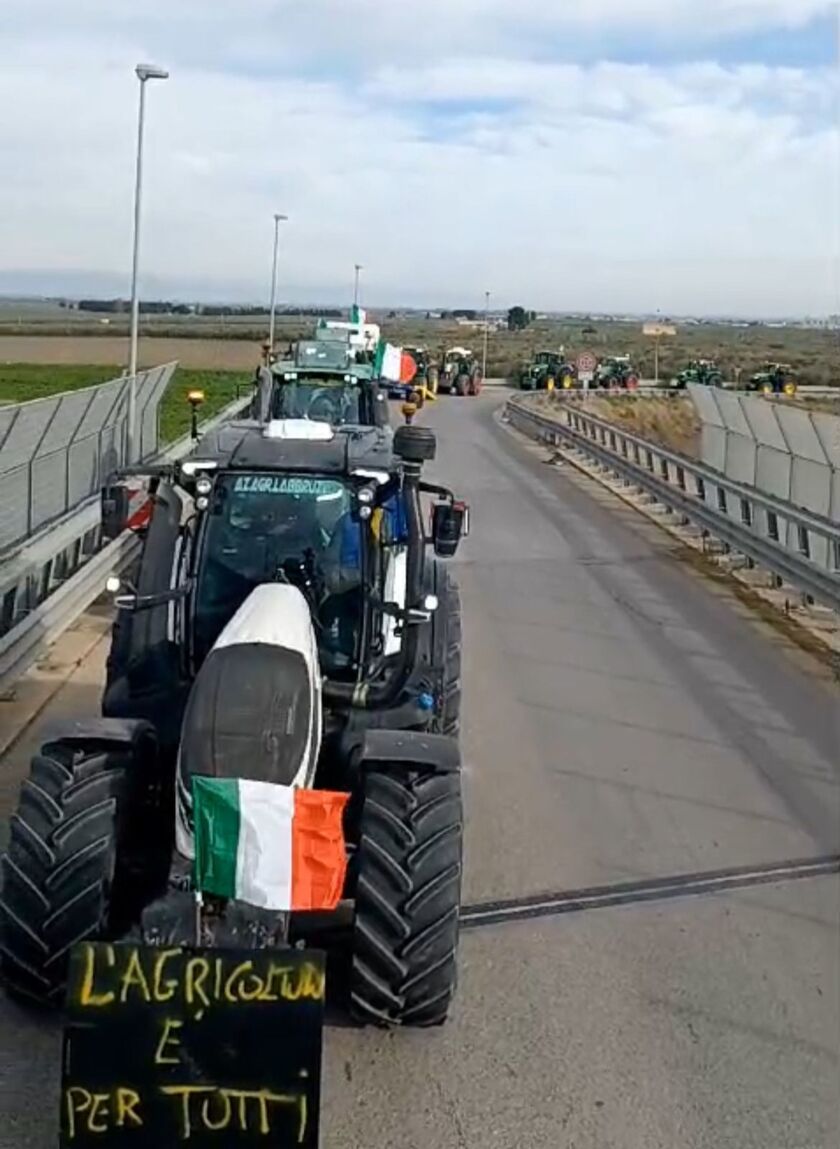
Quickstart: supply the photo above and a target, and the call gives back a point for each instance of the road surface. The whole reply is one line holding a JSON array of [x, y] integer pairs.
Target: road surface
[[625, 719]]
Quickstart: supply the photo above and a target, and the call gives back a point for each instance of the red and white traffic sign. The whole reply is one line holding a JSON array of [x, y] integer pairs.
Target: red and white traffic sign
[[586, 363]]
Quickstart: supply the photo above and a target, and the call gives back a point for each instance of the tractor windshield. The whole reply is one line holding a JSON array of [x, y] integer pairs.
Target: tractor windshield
[[323, 400], [262, 528]]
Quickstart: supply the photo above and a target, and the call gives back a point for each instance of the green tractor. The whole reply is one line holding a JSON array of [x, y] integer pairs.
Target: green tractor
[[545, 368], [616, 371], [320, 381], [704, 371], [460, 373], [773, 379]]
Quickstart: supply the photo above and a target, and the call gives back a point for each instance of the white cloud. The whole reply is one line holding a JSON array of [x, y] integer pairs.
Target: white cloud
[[692, 187]]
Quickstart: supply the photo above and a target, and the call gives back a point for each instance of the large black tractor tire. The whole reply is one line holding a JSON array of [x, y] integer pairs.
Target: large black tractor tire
[[71, 871], [408, 898], [462, 385]]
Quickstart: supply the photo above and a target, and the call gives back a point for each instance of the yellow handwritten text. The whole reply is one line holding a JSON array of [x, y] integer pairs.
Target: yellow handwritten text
[[212, 1108], [98, 1112], [87, 997], [118, 975], [168, 1041]]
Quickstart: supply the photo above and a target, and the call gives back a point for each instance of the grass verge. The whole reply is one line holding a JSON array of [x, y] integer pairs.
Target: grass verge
[[20, 382]]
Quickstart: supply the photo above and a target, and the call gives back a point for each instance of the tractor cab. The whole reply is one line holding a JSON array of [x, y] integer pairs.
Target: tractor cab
[[333, 511], [320, 381]]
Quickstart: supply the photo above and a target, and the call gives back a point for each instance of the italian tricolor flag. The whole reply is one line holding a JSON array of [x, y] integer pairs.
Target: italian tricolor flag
[[271, 846], [393, 364]]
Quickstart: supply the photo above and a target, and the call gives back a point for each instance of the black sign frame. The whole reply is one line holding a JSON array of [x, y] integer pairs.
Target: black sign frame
[[186, 1046]]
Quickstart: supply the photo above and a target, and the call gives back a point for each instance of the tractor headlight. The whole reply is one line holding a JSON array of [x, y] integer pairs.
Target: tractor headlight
[[430, 603], [202, 503], [204, 485], [366, 497]]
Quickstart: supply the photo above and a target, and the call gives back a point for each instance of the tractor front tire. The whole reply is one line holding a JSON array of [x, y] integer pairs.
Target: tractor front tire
[[66, 876], [408, 898], [462, 384]]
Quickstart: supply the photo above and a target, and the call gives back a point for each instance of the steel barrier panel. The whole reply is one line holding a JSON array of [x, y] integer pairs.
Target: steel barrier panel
[[773, 472], [827, 428], [811, 486], [30, 425], [14, 503], [799, 432], [109, 405], [49, 489], [763, 423], [705, 405], [733, 415], [713, 446], [741, 459]]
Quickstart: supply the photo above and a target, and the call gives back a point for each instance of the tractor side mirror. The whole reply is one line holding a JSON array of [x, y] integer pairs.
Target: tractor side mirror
[[116, 506], [450, 524]]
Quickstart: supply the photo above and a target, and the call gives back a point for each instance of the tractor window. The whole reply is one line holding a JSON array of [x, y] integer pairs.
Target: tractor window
[[336, 403], [263, 528]]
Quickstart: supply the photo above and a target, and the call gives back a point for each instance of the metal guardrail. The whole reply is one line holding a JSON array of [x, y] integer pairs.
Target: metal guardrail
[[648, 388], [57, 575], [799, 547]]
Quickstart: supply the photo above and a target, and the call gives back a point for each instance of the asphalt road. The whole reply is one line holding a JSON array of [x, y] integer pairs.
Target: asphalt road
[[626, 718]]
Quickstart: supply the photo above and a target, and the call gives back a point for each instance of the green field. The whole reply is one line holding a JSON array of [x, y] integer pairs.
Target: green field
[[20, 382]]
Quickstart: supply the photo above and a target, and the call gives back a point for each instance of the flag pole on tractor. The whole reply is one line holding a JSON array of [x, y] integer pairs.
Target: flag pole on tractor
[[277, 847]]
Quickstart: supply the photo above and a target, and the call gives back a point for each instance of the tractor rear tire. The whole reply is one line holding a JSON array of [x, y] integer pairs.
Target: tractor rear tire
[[67, 876], [462, 384], [408, 898]]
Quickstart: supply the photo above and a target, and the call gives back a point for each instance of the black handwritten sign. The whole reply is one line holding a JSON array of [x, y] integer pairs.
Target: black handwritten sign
[[169, 1047]]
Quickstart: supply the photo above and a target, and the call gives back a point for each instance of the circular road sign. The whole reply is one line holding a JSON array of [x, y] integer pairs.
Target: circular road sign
[[586, 363]]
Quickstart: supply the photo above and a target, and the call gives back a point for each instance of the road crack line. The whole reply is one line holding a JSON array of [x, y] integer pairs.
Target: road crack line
[[501, 912]]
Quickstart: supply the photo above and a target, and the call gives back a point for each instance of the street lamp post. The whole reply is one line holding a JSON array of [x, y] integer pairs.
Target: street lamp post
[[143, 72], [358, 269], [278, 219], [486, 334]]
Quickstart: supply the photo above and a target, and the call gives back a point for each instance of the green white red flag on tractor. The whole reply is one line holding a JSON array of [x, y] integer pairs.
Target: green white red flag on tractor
[[393, 364], [267, 845]]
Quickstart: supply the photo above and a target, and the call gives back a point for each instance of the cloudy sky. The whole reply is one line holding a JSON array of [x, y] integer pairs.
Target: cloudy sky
[[679, 155]]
